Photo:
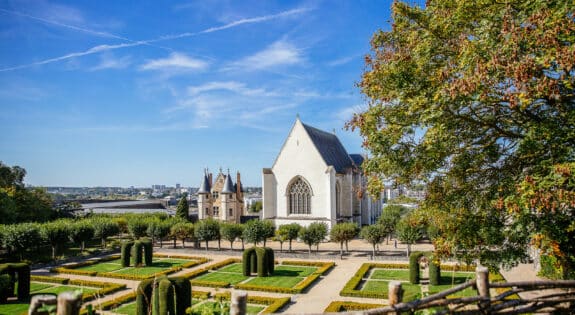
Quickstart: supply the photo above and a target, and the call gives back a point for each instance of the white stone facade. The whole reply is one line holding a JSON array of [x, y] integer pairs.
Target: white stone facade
[[314, 179], [221, 200]]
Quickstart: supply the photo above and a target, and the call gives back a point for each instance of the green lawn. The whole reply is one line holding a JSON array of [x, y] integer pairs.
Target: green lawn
[[15, 308], [116, 266], [451, 279], [37, 286], [390, 274], [293, 271], [127, 309], [236, 268], [57, 289], [229, 277], [276, 281], [410, 291]]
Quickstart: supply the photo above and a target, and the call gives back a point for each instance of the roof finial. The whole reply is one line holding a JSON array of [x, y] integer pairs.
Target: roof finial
[[297, 116]]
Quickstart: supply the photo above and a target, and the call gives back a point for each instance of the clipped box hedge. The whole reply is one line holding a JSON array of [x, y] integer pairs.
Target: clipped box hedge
[[343, 306], [273, 304]]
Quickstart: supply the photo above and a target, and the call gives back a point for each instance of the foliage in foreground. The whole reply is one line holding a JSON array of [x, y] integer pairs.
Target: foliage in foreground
[[476, 99]]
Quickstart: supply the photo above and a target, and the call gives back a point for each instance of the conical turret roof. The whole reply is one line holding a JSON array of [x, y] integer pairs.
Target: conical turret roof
[[228, 185], [205, 186]]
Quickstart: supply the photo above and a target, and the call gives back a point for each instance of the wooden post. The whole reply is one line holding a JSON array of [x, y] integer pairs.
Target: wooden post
[[395, 294], [38, 301], [482, 283], [239, 303], [69, 303]]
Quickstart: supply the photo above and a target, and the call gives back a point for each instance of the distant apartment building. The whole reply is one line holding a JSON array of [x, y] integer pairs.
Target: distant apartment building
[[221, 199]]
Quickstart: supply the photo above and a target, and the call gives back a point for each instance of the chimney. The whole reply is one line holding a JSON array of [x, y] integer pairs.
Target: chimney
[[239, 187]]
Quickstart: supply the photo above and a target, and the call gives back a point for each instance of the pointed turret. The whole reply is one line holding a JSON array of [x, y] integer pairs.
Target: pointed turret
[[205, 187], [228, 185]]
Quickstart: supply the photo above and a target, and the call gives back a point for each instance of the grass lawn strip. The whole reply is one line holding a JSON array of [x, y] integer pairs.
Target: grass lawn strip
[[231, 278], [389, 274], [410, 291]]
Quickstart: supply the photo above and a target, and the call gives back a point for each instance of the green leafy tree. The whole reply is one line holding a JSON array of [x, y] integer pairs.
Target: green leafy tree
[[256, 231], [80, 232], [313, 234], [256, 206], [158, 229], [231, 232], [207, 230], [55, 233], [409, 231], [138, 225], [21, 238], [289, 232], [389, 218], [182, 231], [183, 208], [471, 97], [342, 233], [373, 234], [104, 227]]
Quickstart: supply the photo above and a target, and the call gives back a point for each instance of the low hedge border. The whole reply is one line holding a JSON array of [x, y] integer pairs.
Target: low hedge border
[[273, 304], [49, 279], [201, 295], [466, 268], [210, 284], [342, 306], [350, 287]]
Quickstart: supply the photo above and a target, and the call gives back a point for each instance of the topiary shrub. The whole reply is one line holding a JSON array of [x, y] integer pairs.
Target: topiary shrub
[[148, 251], [270, 259], [126, 248], [163, 296], [166, 297], [434, 271], [12, 273], [137, 254], [414, 277], [183, 290], [262, 266], [247, 261], [144, 297]]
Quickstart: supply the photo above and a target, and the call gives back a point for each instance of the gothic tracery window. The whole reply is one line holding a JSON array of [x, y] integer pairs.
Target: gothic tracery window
[[299, 197]]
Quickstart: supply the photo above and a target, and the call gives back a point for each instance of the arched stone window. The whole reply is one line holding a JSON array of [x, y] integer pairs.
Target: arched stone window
[[299, 197]]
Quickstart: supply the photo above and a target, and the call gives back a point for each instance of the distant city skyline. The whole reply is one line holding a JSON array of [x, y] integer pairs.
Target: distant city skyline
[[114, 93]]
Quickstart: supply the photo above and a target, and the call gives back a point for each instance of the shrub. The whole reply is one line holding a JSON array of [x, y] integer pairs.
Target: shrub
[[434, 273], [247, 261], [148, 251], [126, 250], [343, 306], [414, 267], [136, 254]]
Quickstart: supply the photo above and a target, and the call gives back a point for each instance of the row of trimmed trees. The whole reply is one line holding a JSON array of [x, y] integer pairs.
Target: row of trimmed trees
[[17, 239]]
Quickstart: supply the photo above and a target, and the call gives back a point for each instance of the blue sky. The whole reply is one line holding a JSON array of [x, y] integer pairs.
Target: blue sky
[[135, 93]]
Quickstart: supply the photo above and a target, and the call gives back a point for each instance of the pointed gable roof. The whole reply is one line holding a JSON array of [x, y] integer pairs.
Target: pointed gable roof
[[330, 148]]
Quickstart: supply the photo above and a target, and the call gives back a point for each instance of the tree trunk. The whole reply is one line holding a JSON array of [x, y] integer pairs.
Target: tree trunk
[[174, 242], [219, 245], [103, 242], [341, 248], [160, 242], [346, 247], [373, 255], [264, 242], [281, 246], [408, 249], [183, 243], [53, 252], [309, 250], [206, 245], [232, 245], [290, 245], [243, 244], [82, 246]]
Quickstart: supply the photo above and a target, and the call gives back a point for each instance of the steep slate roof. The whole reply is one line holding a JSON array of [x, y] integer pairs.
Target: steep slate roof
[[228, 185], [205, 186], [330, 149], [357, 159]]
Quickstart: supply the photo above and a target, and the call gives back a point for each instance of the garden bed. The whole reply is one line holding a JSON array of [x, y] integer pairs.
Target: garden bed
[[111, 267]]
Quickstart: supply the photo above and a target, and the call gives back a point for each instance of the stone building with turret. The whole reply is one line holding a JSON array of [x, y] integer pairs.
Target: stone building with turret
[[221, 199]]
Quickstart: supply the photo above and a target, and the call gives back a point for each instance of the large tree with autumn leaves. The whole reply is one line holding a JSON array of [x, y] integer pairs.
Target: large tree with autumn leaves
[[476, 98]]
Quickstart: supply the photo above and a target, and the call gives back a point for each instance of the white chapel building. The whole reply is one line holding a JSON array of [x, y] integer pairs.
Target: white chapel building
[[314, 179]]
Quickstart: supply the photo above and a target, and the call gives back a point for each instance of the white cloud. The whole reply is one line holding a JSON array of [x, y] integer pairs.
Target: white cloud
[[132, 43], [176, 61], [107, 61], [280, 53], [341, 61], [231, 86]]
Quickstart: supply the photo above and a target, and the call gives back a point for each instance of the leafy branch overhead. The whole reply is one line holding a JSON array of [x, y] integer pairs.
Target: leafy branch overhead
[[471, 97]]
